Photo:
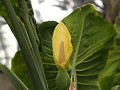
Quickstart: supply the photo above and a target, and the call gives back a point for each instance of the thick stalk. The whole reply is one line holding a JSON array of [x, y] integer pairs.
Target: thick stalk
[[33, 62]]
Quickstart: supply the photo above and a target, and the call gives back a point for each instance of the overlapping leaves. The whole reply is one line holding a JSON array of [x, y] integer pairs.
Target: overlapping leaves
[[92, 37]]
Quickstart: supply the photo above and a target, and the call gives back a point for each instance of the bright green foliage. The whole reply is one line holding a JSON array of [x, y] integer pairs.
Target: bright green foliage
[[20, 69]]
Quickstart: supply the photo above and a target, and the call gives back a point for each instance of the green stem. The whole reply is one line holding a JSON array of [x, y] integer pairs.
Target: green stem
[[73, 74], [32, 59]]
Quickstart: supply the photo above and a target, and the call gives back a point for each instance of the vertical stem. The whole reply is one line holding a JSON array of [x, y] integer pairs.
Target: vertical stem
[[73, 74], [32, 58]]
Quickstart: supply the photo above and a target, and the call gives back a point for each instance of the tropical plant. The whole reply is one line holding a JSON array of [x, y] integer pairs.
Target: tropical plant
[[71, 55]]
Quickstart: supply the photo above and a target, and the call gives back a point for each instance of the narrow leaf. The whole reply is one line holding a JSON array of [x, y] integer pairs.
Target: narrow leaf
[[13, 78]]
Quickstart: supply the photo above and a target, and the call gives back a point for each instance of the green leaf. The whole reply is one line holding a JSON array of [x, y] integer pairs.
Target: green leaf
[[117, 27], [46, 30], [18, 65], [110, 75], [20, 69], [92, 37], [14, 79]]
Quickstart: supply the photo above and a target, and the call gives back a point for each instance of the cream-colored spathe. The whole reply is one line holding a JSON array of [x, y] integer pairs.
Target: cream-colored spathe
[[62, 47]]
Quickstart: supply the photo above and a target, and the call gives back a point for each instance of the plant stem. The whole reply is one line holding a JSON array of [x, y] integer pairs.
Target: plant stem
[[73, 74], [33, 62]]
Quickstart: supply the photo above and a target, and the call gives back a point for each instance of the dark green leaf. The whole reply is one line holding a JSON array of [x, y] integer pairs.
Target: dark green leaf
[[110, 74], [46, 30], [20, 69]]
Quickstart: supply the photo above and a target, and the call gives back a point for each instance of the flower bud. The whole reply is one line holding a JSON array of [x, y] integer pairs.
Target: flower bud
[[62, 47]]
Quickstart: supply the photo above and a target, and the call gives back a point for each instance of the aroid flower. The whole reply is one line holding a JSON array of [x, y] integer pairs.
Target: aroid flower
[[62, 47]]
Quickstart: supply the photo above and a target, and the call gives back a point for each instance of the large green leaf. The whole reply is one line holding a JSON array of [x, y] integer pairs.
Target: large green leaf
[[110, 75], [92, 37]]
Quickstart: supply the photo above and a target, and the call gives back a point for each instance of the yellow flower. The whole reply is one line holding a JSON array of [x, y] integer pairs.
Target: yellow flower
[[62, 47]]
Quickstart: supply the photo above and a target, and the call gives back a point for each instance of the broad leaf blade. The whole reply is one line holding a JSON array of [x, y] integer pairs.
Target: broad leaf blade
[[46, 30], [13, 78], [92, 37]]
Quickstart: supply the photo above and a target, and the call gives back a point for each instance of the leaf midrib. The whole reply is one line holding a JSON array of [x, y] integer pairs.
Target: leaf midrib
[[77, 47]]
